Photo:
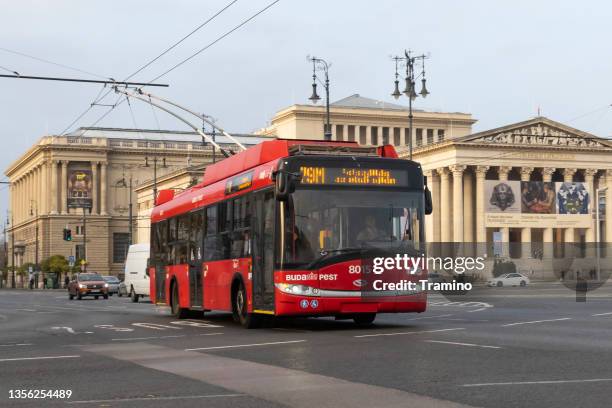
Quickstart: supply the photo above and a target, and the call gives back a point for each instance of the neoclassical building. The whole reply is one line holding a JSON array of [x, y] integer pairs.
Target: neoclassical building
[[92, 168], [369, 122], [529, 187]]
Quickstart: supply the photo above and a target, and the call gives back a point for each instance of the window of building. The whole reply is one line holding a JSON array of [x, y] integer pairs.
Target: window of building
[[430, 136], [396, 137], [374, 135], [440, 135], [419, 137], [79, 230], [79, 251], [121, 241]]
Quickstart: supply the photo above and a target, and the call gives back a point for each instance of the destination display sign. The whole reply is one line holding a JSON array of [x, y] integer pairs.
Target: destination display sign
[[353, 176]]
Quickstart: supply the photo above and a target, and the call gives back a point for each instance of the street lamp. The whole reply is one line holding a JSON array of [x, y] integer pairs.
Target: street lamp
[[34, 211], [598, 226], [409, 89], [322, 65]]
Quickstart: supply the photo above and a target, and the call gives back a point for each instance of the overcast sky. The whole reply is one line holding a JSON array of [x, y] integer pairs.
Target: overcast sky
[[498, 60]]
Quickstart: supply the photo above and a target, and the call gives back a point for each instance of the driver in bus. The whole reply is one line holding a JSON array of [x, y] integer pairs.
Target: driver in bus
[[370, 232]]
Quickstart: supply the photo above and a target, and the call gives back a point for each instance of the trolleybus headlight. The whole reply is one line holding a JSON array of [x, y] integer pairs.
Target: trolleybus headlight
[[301, 290]]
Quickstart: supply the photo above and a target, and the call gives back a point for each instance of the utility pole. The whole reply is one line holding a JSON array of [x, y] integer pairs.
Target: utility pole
[[13, 249], [130, 215], [322, 64], [84, 239]]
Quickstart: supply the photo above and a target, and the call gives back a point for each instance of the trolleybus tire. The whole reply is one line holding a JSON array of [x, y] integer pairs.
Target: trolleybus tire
[[177, 311], [240, 308], [364, 319]]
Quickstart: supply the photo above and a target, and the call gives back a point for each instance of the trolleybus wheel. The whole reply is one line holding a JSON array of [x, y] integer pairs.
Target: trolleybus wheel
[[240, 308], [364, 319], [177, 311]]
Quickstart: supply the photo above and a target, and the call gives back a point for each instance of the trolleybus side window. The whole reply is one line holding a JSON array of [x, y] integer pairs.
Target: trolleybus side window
[[211, 238], [181, 244], [195, 236], [241, 236], [225, 229]]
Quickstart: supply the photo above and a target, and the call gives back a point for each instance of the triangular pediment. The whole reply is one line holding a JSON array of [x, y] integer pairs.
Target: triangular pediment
[[539, 131]]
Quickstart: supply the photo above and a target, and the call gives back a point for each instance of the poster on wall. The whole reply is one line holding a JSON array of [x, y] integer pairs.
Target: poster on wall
[[538, 197], [572, 198], [537, 204], [80, 187], [502, 196]]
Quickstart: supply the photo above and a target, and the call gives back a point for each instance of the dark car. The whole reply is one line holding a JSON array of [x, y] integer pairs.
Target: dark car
[[87, 284], [113, 284]]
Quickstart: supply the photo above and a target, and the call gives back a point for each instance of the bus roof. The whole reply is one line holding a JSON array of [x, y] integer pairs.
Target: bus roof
[[258, 155], [261, 153]]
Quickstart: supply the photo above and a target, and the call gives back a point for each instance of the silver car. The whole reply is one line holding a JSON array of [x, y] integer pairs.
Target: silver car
[[113, 284]]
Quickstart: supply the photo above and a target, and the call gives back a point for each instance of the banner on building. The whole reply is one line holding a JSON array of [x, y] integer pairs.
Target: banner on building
[[537, 204], [80, 187]]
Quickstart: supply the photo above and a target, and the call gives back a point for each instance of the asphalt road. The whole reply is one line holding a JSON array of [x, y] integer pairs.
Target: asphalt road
[[500, 347]]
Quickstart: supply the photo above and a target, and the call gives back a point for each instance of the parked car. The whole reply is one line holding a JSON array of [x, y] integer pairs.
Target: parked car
[[434, 277], [87, 284], [509, 279], [122, 290], [113, 284], [136, 277]]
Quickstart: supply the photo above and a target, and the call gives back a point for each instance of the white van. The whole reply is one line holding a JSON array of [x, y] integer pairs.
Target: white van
[[136, 279]]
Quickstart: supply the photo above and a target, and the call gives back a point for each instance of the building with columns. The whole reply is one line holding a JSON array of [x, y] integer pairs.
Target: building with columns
[[92, 168], [528, 188], [368, 122]]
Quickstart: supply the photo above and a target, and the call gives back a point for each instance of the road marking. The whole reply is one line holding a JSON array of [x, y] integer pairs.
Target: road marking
[[37, 358], [17, 344], [538, 382], [155, 326], [602, 314], [209, 334], [412, 332], [462, 344], [430, 317], [194, 323], [178, 397], [536, 321], [26, 310], [246, 345], [148, 338], [68, 329]]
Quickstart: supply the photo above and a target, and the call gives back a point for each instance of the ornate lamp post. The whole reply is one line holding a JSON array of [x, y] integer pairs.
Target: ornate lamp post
[[409, 90], [324, 66]]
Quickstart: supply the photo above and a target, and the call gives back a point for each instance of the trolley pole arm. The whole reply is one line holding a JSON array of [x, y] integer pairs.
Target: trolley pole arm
[[191, 125], [203, 117]]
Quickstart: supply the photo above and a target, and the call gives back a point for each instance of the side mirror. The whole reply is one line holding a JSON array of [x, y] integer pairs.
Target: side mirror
[[285, 183], [428, 200]]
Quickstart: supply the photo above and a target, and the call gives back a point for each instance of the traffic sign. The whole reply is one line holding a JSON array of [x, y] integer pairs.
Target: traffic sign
[[71, 260]]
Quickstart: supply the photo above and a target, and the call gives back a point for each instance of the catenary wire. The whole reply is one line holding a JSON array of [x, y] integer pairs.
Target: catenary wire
[[55, 63]]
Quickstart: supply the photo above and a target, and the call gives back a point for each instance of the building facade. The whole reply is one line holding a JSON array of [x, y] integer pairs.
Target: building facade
[[81, 181], [534, 189], [368, 122]]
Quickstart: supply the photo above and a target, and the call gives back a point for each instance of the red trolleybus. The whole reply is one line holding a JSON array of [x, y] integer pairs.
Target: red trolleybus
[[291, 228]]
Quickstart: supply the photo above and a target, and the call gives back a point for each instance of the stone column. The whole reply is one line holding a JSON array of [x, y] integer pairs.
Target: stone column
[[468, 207], [64, 187], [481, 229], [526, 232], [44, 195], [589, 178], [568, 177], [445, 215], [503, 176], [103, 195], [609, 207], [457, 202], [403, 137], [435, 197], [94, 189], [333, 131], [368, 135], [431, 218], [548, 233], [53, 170]]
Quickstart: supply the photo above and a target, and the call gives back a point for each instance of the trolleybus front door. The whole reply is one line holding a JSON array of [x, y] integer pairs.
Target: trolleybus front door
[[263, 250]]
